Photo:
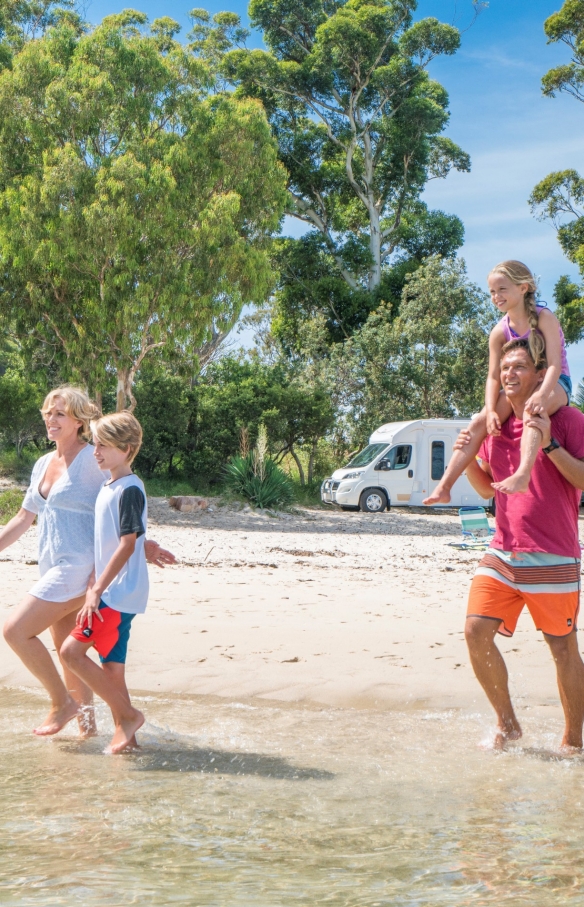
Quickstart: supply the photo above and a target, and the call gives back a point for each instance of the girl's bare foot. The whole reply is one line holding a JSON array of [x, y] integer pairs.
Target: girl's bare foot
[[57, 719], [124, 733], [515, 484], [440, 495]]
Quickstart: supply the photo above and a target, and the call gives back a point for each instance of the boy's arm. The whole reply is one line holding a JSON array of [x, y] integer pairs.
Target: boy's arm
[[121, 555], [16, 527], [131, 527]]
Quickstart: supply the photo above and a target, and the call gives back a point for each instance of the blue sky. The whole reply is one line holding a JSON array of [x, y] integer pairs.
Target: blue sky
[[514, 135]]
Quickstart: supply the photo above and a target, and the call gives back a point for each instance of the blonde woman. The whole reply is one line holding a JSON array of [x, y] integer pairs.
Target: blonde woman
[[512, 287], [62, 493]]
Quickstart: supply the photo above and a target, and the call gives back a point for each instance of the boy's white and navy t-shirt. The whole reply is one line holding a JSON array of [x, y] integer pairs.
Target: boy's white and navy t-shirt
[[121, 509]]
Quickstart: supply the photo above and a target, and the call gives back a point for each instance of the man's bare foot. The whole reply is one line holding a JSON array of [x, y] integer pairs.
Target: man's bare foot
[[439, 496], [57, 719], [567, 750], [124, 733], [502, 737], [86, 721], [515, 484]]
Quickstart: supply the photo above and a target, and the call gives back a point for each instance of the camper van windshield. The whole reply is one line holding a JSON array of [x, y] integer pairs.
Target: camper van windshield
[[367, 455]]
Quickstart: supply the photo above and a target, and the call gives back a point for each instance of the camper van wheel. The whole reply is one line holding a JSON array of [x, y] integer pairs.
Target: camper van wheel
[[373, 500]]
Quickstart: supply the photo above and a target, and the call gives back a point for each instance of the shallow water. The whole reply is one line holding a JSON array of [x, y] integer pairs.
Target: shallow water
[[268, 806]]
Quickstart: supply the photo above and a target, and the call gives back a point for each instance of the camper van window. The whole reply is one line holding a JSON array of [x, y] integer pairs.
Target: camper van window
[[367, 455], [437, 460], [399, 457]]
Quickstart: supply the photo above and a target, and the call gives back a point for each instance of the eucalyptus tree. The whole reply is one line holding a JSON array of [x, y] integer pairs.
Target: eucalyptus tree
[[136, 202], [559, 197], [358, 122]]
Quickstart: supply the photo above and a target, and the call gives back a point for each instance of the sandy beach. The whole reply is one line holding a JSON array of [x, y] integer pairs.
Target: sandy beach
[[315, 606]]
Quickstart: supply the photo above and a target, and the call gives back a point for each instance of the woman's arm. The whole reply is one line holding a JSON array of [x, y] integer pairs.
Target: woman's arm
[[16, 527], [493, 386]]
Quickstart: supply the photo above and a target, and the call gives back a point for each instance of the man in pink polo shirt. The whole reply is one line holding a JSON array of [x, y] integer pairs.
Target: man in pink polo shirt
[[534, 558]]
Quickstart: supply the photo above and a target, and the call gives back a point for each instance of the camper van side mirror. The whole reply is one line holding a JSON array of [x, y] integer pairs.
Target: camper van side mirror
[[384, 465]]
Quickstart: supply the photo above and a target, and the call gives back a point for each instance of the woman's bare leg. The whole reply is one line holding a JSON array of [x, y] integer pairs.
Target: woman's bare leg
[[518, 483], [461, 458], [21, 632], [78, 690]]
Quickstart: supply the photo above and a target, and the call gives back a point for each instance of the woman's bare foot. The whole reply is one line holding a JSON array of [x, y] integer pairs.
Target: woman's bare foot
[[86, 721], [515, 484], [440, 495], [57, 719], [124, 733]]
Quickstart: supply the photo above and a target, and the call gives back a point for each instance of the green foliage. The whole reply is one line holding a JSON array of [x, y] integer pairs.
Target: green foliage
[[567, 26], [258, 478], [570, 309], [166, 407], [10, 504], [429, 362], [136, 203], [20, 402], [236, 395], [358, 123], [560, 196]]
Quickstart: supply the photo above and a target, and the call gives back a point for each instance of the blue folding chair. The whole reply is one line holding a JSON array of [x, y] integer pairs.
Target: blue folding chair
[[476, 532]]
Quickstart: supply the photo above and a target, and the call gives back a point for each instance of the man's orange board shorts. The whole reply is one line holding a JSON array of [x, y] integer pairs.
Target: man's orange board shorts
[[548, 584]]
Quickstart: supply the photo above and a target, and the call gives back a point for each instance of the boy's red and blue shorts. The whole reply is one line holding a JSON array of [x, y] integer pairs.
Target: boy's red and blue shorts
[[110, 636]]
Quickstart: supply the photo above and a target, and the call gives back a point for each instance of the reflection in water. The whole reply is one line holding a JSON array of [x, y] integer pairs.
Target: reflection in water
[[264, 806]]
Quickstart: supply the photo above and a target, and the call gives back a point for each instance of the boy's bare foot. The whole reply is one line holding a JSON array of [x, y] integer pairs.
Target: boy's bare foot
[[124, 733], [86, 721], [440, 495], [57, 719], [515, 484]]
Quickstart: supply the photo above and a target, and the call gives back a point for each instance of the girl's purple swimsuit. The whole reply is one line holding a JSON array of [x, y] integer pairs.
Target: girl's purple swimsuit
[[564, 378]]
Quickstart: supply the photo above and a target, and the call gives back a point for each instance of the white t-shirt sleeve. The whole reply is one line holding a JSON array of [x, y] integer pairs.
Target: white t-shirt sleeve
[[29, 502]]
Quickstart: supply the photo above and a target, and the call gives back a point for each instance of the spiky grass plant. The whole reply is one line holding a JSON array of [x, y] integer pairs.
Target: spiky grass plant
[[258, 478]]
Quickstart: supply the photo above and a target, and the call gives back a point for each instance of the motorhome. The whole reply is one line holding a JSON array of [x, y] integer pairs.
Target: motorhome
[[401, 465]]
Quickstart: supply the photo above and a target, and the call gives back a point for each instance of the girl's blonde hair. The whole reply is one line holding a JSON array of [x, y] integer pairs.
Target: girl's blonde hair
[[519, 273], [121, 430], [77, 405]]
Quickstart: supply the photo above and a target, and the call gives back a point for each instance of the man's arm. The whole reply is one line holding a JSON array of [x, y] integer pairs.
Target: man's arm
[[570, 467], [479, 476]]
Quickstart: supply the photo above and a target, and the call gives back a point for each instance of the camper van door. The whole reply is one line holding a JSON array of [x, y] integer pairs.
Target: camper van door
[[439, 452], [399, 480]]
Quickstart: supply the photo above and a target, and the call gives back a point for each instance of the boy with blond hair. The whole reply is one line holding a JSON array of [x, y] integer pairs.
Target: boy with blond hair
[[119, 589]]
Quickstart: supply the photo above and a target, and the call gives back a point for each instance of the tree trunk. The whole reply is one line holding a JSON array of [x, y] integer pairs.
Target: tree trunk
[[98, 401], [311, 460], [124, 397], [299, 465], [374, 248]]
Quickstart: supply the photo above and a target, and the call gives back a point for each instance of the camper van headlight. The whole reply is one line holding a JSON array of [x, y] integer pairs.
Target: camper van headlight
[[351, 475]]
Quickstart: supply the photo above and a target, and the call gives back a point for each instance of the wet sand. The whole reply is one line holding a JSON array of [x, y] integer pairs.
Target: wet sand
[[319, 606]]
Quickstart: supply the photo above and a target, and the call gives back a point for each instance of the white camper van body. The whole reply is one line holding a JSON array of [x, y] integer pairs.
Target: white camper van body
[[402, 465]]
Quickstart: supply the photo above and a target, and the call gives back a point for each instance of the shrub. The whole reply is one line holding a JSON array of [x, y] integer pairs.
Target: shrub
[[257, 478], [10, 504]]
